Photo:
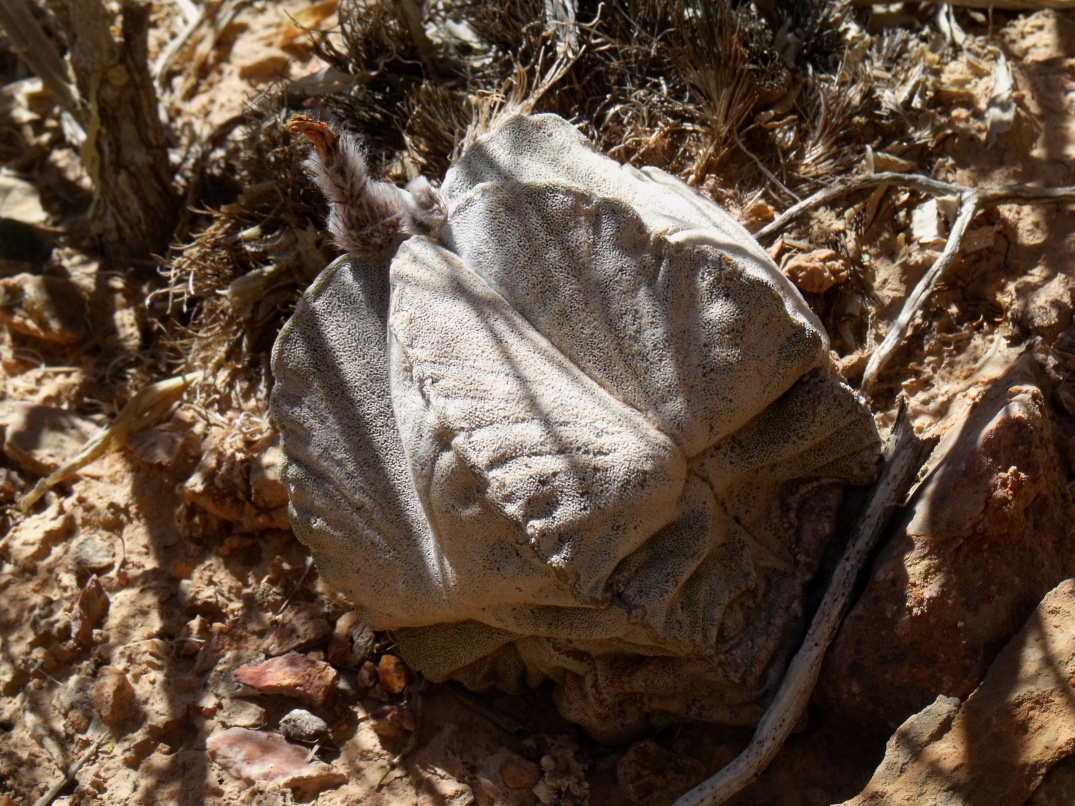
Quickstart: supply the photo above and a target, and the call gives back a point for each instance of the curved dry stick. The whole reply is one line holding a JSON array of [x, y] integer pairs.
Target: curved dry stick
[[971, 200], [969, 203], [911, 181], [905, 454]]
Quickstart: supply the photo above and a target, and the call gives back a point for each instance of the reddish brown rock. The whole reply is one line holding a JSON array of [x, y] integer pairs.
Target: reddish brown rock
[[113, 696], [988, 534], [998, 745], [291, 675], [394, 674], [816, 272], [268, 758]]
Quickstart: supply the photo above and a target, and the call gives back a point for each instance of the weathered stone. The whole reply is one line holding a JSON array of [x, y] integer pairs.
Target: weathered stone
[[268, 758], [351, 641], [303, 625], [302, 726], [156, 446], [1057, 786], [234, 482], [267, 488], [92, 553], [238, 713], [367, 675], [291, 675], [31, 540], [113, 696], [393, 722], [519, 773], [988, 534], [394, 674], [998, 745], [444, 790], [816, 272]]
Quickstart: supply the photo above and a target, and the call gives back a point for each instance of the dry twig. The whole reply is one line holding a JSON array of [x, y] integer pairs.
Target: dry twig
[[72, 771], [143, 410], [904, 455], [970, 201]]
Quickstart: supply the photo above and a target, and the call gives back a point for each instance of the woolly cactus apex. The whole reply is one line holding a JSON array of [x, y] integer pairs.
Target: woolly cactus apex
[[583, 429], [366, 217]]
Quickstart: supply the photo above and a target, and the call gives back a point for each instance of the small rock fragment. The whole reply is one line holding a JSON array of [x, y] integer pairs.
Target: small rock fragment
[[291, 675], [91, 608], [649, 774], [816, 272], [233, 482], [267, 488], [367, 675], [268, 758], [394, 674], [92, 553], [302, 626], [351, 641], [998, 745], [21, 201], [113, 696], [393, 722], [31, 540], [444, 790], [49, 309], [302, 726]]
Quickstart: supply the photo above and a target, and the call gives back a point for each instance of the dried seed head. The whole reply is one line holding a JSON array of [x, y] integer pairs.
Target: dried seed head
[[366, 217]]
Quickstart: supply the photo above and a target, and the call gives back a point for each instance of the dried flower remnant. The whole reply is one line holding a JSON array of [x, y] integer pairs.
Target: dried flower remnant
[[366, 217]]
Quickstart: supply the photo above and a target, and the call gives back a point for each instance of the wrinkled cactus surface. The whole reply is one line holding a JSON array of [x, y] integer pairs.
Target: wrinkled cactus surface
[[586, 432]]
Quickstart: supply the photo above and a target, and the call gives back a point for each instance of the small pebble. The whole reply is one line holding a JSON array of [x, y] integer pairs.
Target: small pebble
[[92, 554], [367, 675], [394, 674], [302, 726], [113, 696]]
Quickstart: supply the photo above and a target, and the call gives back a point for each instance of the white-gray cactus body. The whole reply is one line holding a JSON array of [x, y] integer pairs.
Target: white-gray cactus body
[[589, 433]]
